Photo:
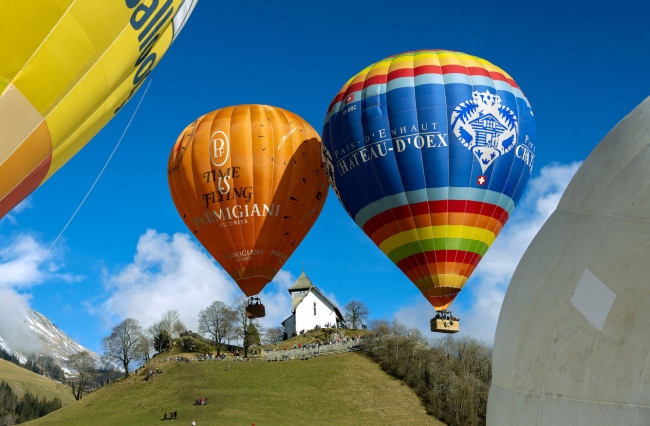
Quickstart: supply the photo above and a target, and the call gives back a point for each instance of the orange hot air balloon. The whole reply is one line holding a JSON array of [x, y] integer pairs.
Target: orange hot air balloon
[[249, 182]]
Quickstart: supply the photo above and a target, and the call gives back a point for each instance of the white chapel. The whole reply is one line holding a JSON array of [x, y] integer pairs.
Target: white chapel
[[309, 308]]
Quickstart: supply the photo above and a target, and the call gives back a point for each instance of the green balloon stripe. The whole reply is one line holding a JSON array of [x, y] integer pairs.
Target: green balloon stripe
[[434, 244]]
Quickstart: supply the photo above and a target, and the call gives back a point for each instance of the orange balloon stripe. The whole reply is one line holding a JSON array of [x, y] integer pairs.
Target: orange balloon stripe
[[440, 268], [436, 219], [249, 183], [33, 154], [441, 302]]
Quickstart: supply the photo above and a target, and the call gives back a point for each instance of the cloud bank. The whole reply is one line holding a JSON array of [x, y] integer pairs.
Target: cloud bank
[[173, 272], [488, 285]]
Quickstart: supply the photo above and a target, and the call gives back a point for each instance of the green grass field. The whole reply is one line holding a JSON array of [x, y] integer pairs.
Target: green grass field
[[346, 389], [22, 380]]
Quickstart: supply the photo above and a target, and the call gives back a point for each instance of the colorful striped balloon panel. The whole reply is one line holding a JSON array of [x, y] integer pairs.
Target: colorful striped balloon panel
[[429, 152]]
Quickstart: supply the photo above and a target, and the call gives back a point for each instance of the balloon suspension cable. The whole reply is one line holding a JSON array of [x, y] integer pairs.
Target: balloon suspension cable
[[110, 157]]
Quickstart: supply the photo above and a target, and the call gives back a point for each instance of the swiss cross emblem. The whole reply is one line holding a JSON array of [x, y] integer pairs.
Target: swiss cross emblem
[[481, 180], [349, 99]]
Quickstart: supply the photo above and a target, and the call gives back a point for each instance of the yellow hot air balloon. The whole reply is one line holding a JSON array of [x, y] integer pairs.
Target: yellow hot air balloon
[[66, 68]]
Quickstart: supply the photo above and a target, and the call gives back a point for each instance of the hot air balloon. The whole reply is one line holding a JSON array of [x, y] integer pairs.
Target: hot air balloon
[[66, 68], [248, 181], [429, 152]]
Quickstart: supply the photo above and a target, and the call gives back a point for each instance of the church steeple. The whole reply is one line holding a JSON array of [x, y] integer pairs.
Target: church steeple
[[303, 283]]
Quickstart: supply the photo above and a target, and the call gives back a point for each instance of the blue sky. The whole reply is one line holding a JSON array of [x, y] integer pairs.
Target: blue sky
[[582, 65]]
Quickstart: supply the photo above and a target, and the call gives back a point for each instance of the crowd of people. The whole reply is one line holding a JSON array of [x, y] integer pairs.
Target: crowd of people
[[317, 345], [446, 316], [208, 356], [201, 401]]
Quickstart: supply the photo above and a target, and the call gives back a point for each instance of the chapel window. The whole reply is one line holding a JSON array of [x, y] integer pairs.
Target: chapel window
[[314, 308]]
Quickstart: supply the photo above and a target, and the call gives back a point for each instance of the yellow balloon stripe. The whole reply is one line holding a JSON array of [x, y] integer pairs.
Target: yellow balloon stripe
[[23, 27], [430, 232]]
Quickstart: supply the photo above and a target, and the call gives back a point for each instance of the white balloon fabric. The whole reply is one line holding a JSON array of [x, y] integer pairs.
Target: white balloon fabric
[[572, 344]]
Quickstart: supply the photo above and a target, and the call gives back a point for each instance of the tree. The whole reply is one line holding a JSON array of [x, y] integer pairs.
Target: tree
[[381, 327], [122, 344], [83, 366], [273, 335], [253, 334], [178, 328], [144, 349], [356, 312], [160, 336], [169, 320], [217, 321], [241, 323], [162, 341]]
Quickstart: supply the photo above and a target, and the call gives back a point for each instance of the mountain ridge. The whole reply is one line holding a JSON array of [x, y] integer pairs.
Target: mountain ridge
[[40, 336]]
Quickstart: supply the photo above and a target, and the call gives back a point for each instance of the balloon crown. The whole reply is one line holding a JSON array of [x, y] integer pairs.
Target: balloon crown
[[486, 98]]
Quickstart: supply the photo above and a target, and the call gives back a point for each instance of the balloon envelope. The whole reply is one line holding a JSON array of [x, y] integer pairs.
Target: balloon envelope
[[66, 68], [429, 153], [249, 182]]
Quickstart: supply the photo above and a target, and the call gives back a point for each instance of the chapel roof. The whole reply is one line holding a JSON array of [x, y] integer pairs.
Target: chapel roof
[[302, 283]]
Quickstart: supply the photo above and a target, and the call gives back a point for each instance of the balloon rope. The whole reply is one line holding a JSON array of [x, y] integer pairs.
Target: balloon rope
[[84, 199]]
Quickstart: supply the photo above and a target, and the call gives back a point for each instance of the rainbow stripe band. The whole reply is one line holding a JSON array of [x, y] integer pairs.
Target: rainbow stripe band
[[483, 196]]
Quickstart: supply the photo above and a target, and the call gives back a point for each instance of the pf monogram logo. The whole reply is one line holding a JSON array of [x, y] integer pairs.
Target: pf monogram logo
[[219, 148]]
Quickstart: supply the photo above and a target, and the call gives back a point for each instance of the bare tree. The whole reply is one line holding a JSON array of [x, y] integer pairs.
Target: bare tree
[[178, 328], [273, 335], [83, 366], [356, 312], [217, 321], [122, 344], [168, 320], [144, 349], [381, 327]]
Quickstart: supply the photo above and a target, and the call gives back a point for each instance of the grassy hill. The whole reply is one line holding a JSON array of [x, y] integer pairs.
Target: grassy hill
[[22, 380], [346, 389]]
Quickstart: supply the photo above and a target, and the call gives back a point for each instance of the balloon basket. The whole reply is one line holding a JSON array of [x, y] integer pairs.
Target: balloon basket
[[255, 311], [441, 325]]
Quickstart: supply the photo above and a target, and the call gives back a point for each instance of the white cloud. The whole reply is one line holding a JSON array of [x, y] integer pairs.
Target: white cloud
[[173, 272], [19, 263], [166, 273], [490, 280]]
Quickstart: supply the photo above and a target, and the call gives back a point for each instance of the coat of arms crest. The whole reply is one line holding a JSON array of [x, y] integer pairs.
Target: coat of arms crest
[[485, 127]]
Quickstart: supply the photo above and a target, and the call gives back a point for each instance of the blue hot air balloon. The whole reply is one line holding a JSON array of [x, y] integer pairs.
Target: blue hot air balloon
[[429, 152]]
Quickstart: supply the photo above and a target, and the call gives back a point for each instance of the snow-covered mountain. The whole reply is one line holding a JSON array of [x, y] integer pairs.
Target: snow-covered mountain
[[37, 334]]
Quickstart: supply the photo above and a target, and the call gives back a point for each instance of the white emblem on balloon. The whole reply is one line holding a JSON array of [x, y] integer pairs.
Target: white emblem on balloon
[[485, 127]]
